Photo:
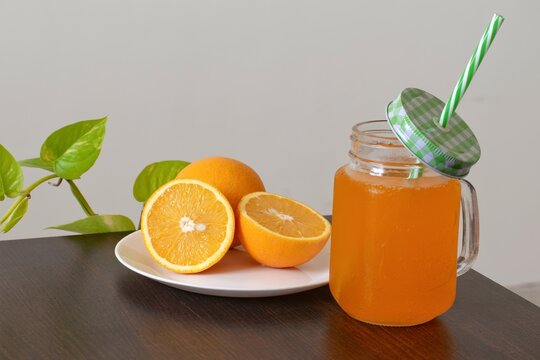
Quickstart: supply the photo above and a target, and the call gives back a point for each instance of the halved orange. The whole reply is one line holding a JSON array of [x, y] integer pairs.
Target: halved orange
[[280, 232], [187, 225]]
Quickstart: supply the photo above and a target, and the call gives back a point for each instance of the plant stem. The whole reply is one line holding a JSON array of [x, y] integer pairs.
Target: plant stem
[[80, 198], [24, 194]]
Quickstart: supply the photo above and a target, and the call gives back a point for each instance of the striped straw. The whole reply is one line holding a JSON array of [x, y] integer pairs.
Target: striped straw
[[472, 66]]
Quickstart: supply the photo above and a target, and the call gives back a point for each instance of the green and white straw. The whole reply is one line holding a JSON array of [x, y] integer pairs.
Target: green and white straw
[[472, 66]]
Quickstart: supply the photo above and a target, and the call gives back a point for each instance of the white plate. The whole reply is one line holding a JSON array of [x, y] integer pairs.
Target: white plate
[[236, 275]]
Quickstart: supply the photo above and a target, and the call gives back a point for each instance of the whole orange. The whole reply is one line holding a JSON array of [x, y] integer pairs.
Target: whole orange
[[232, 177]]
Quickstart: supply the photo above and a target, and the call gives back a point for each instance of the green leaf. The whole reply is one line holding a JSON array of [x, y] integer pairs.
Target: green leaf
[[155, 175], [11, 175], [37, 163], [15, 216], [98, 224], [73, 149]]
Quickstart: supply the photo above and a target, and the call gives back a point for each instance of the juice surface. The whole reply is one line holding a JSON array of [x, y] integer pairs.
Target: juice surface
[[394, 246]]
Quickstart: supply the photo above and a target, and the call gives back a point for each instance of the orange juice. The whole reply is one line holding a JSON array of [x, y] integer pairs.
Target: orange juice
[[395, 226], [394, 246]]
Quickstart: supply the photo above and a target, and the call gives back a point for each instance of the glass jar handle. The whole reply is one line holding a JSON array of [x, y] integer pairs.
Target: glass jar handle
[[470, 228]]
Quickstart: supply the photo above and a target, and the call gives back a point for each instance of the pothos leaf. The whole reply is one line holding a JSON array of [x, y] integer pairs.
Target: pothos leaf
[[98, 224], [155, 175], [15, 216], [37, 163], [11, 175], [73, 149]]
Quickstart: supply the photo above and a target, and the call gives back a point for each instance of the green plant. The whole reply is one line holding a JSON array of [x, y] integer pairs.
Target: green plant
[[67, 154]]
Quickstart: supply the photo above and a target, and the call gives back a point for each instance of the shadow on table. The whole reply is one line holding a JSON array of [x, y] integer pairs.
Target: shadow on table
[[226, 327], [350, 338], [152, 298], [311, 318]]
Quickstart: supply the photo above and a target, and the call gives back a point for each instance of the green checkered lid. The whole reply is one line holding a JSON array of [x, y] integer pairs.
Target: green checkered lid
[[414, 116]]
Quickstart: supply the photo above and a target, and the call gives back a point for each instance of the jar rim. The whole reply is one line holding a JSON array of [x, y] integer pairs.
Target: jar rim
[[375, 132], [375, 149]]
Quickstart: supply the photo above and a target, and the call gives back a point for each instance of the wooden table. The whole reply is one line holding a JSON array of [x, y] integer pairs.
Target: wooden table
[[69, 298]]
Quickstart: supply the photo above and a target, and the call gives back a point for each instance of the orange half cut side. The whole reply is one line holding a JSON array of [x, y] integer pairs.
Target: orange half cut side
[[187, 225], [280, 232]]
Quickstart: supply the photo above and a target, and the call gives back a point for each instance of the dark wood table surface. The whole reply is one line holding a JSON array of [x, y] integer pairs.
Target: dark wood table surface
[[69, 298]]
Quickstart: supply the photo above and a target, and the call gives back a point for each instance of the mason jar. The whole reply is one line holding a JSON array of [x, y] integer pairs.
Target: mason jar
[[395, 230]]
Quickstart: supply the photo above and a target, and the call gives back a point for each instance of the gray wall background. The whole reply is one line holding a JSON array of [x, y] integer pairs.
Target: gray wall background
[[276, 84]]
